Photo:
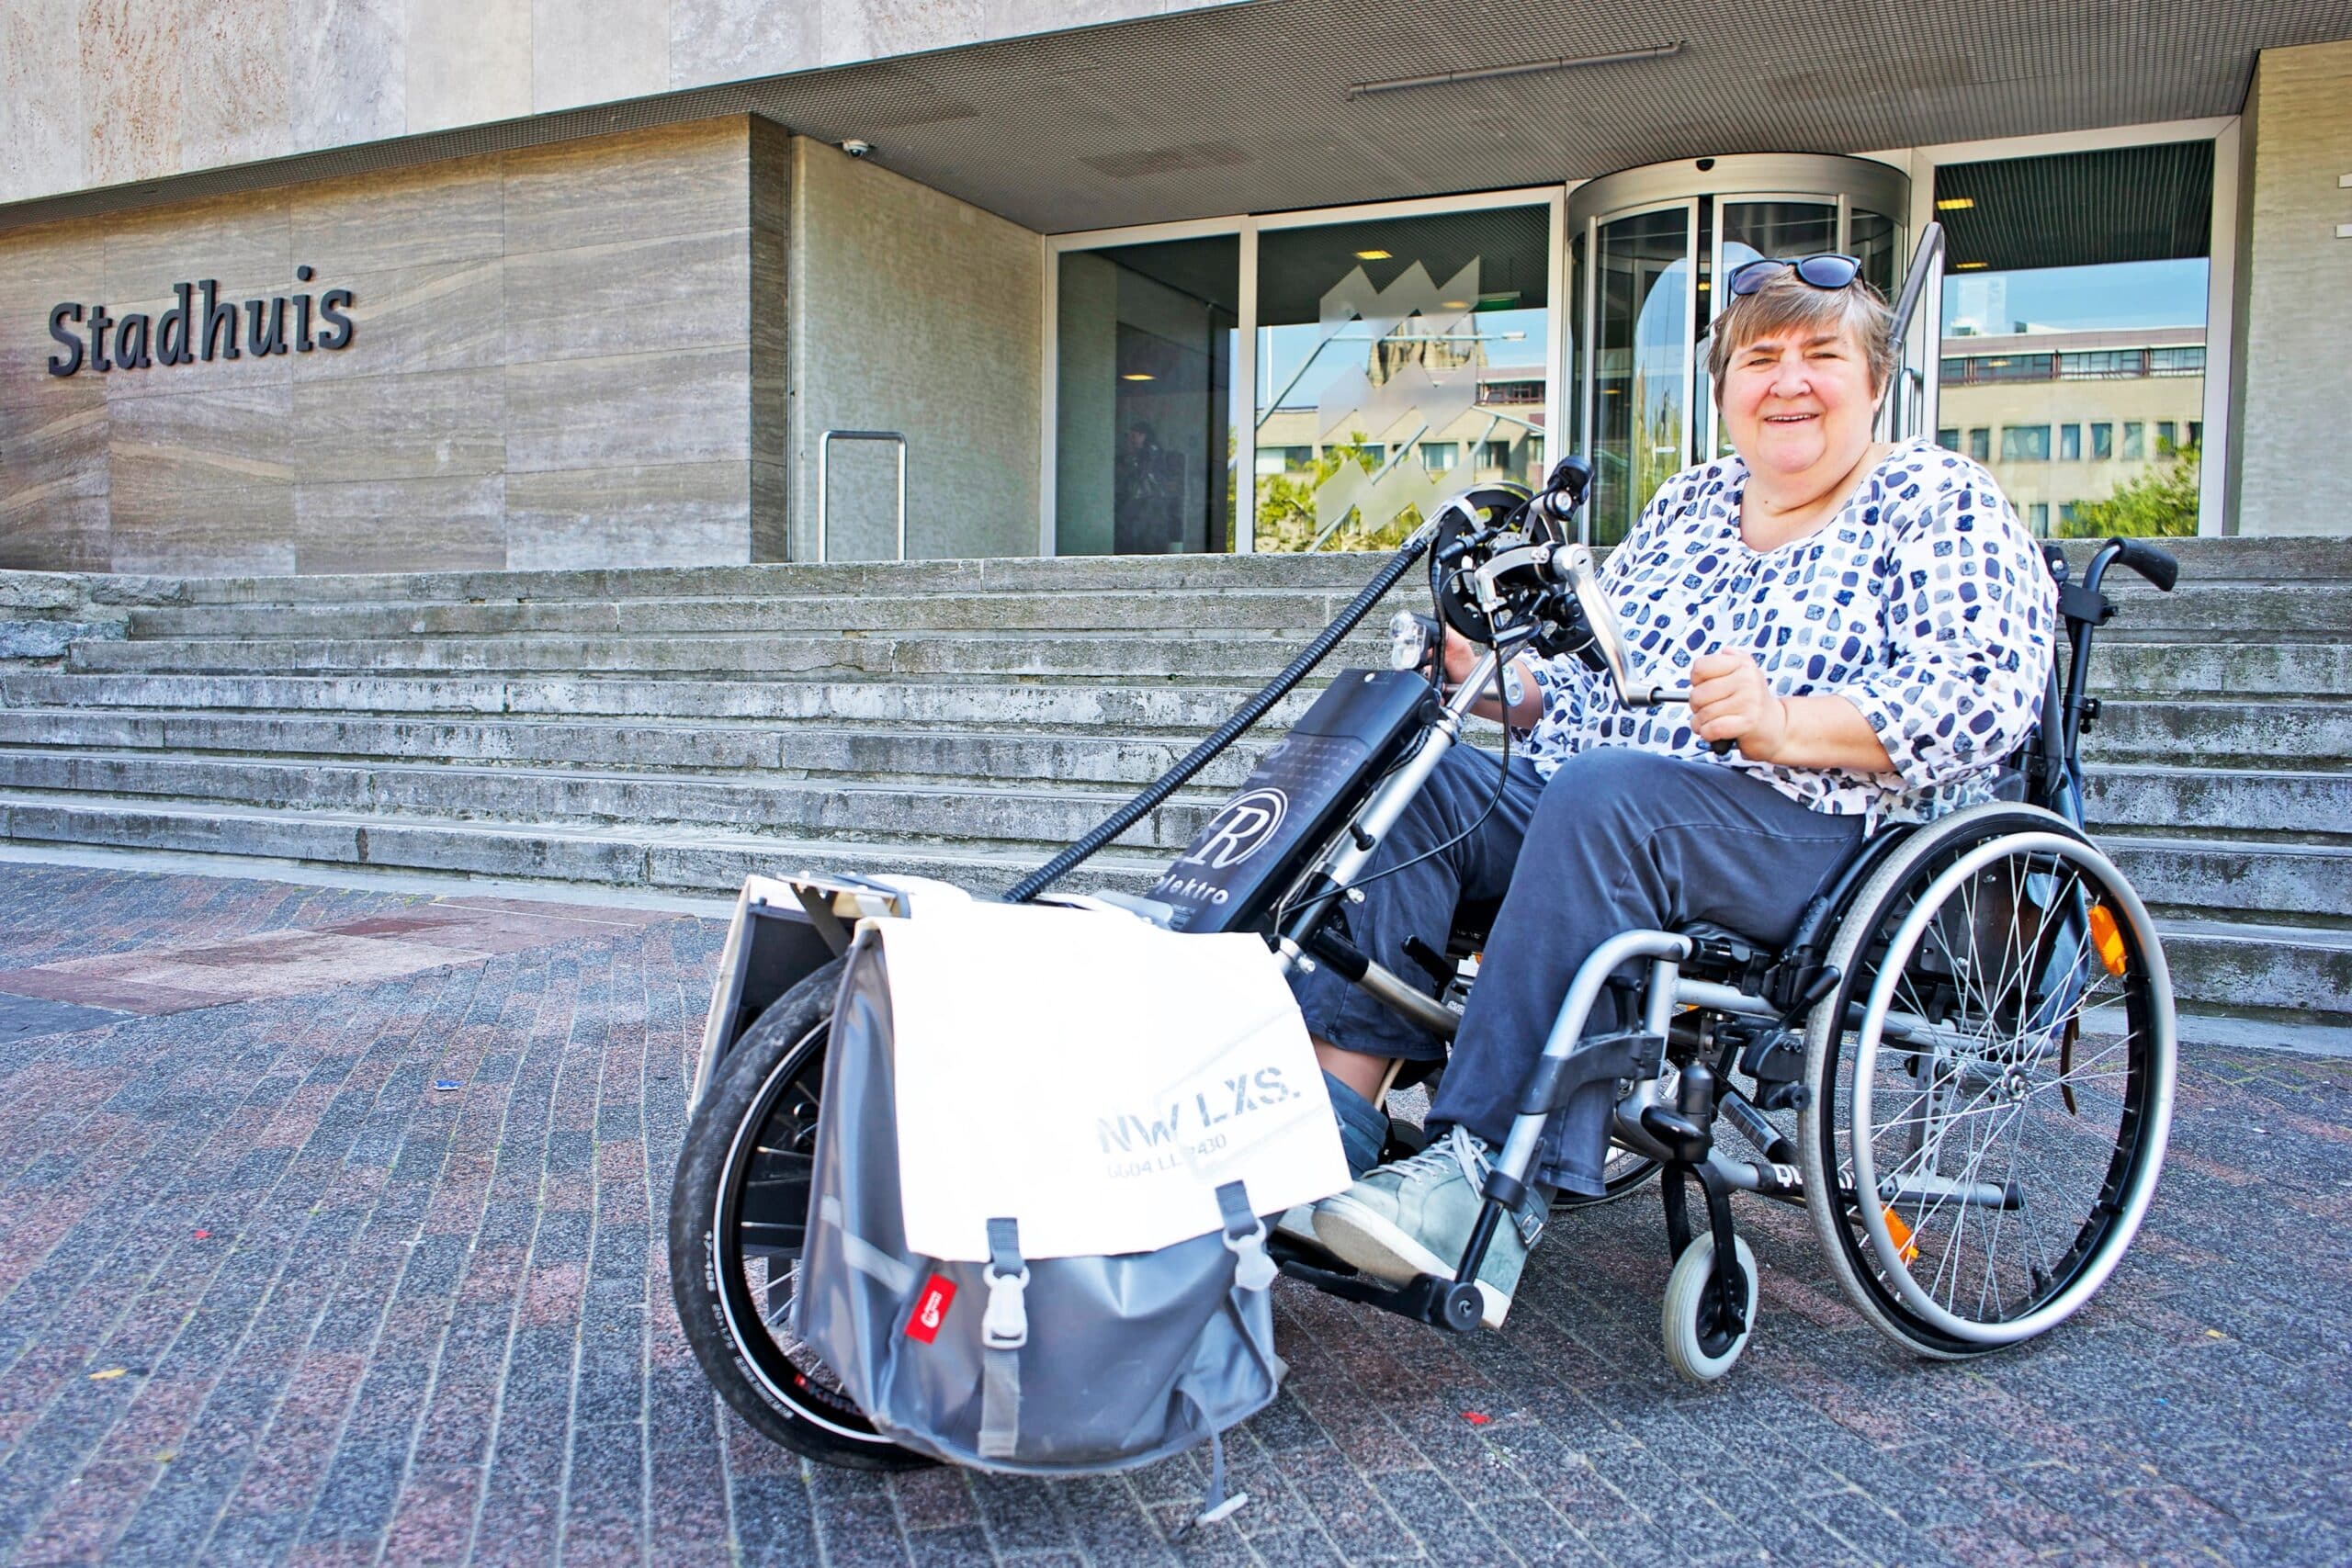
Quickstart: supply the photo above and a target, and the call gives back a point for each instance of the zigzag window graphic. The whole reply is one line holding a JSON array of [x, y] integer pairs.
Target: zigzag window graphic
[[1420, 356]]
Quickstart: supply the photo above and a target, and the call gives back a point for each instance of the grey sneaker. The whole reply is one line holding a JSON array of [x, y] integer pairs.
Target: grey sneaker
[[1414, 1217]]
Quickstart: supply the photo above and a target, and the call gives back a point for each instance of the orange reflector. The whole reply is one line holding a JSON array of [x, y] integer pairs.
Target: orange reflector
[[2108, 938], [1901, 1234]]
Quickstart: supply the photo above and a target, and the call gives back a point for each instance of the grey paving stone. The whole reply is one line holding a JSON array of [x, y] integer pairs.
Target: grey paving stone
[[434, 1327]]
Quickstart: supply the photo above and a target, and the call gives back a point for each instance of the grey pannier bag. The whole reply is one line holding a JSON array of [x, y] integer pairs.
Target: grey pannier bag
[[1057, 1366]]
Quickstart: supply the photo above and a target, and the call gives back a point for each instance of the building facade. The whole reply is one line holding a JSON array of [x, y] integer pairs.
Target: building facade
[[691, 282]]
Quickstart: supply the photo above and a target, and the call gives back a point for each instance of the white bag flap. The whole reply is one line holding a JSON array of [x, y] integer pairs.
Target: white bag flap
[[1096, 1078]]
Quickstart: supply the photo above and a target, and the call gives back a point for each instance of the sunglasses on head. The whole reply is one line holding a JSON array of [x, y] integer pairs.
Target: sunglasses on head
[[1828, 270]]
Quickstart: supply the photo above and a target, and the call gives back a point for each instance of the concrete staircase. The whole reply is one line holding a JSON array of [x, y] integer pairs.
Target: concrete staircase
[[679, 729]]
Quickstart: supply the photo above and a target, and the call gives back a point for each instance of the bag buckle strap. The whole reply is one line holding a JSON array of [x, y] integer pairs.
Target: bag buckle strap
[[1245, 1237], [1005, 1325]]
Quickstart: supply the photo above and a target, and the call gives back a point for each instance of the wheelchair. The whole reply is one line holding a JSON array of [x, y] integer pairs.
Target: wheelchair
[[1961, 1064]]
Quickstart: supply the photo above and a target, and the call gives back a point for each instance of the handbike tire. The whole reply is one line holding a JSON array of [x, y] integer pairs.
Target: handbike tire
[[782, 1052]]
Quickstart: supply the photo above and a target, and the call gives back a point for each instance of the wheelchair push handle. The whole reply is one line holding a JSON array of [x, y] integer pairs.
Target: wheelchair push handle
[[2158, 565]]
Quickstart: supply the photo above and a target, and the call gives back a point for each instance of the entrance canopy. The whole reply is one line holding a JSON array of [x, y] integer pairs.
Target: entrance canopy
[[1282, 105], [1290, 104]]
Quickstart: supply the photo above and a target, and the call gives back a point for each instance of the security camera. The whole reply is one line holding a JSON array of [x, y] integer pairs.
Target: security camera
[[857, 147]]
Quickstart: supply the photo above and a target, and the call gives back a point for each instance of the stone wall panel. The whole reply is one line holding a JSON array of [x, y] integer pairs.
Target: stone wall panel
[[736, 40], [580, 314], [673, 180], [594, 51], [175, 443], [582, 517], [641, 296], [456, 522], [348, 82], [640, 409], [237, 532], [442, 317], [433, 425], [242, 243], [41, 97], [235, 109], [46, 530], [132, 68], [469, 61], [400, 218]]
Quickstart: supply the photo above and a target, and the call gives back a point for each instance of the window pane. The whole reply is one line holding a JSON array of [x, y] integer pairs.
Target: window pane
[[1437, 457], [1948, 438], [2061, 321], [2025, 444], [2038, 517], [1143, 446], [1380, 340], [1980, 445]]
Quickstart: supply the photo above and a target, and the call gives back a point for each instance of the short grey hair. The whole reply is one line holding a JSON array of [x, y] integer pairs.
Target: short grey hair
[[1786, 300]]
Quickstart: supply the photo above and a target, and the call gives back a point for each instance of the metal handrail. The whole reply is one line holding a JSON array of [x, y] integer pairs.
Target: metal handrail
[[824, 447], [1923, 261]]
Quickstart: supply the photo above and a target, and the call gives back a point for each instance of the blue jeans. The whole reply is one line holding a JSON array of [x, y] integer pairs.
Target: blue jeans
[[1618, 841]]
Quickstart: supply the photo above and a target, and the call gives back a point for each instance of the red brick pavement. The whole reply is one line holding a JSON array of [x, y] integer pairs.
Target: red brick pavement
[[268, 1294]]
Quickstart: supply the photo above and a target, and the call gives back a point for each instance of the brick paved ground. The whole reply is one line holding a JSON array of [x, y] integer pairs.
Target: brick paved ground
[[267, 1294]]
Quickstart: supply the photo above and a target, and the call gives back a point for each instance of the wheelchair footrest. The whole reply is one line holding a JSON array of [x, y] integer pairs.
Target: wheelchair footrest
[[1425, 1298]]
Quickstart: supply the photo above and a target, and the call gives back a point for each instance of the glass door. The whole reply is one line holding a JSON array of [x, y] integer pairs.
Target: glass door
[[1142, 407], [1645, 293], [1660, 240]]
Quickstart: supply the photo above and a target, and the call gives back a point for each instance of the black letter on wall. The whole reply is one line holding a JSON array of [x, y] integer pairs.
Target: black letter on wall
[[330, 311], [171, 333], [219, 322], [57, 320]]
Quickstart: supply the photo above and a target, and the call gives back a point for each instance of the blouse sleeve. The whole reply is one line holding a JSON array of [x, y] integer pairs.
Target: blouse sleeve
[[1970, 612]]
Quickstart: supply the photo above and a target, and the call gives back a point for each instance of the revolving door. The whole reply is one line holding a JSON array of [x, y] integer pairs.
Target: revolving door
[[1646, 249]]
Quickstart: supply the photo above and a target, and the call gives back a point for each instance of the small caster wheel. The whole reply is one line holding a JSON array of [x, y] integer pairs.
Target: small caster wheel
[[1699, 1343], [1463, 1306]]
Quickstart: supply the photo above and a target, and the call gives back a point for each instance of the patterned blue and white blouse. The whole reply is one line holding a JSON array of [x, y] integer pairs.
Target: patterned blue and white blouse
[[1923, 601]]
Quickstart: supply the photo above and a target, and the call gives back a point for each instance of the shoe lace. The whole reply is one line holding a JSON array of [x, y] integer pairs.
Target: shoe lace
[[1458, 1147]]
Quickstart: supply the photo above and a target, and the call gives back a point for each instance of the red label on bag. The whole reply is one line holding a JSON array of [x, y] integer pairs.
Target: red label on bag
[[931, 1309]]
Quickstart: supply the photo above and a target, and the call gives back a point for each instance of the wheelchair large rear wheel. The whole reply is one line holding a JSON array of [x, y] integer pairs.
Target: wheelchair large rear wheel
[[737, 1210], [1992, 1082]]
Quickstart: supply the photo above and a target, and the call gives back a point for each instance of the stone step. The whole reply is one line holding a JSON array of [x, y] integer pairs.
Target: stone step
[[2242, 878], [1137, 612], [2314, 734], [968, 811], [2232, 965], [1183, 709], [2141, 796], [1197, 656], [2300, 613], [1330, 570], [666, 858], [2255, 558], [2221, 669], [798, 750], [2195, 611], [2202, 561]]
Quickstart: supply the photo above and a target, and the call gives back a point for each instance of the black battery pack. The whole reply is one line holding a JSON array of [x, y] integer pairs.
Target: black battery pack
[[1231, 876]]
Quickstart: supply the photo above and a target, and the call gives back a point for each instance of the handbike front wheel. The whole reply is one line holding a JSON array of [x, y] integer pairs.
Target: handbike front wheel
[[739, 1209], [1992, 1083]]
